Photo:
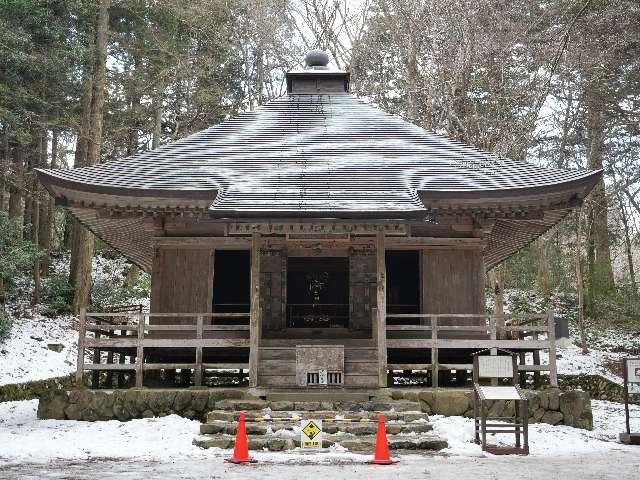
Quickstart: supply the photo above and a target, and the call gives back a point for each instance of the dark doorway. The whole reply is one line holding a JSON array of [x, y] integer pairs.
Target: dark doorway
[[403, 281], [231, 281], [317, 292]]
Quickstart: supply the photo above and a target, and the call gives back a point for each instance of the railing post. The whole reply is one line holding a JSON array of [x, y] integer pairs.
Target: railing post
[[95, 374], [82, 333], [493, 331], [435, 364], [140, 350], [551, 329], [198, 372]]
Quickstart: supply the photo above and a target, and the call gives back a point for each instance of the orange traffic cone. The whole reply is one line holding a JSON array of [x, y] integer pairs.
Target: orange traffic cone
[[381, 455], [241, 447]]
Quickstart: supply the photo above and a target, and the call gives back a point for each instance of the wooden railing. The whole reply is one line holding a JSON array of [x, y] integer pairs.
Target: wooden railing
[[130, 338], [521, 333]]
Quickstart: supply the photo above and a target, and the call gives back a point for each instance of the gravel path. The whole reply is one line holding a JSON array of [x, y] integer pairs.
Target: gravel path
[[619, 465]]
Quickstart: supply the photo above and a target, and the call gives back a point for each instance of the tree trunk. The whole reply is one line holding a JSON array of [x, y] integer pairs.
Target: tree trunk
[[601, 275], [4, 171], [543, 280], [580, 285], [157, 124], [498, 277], [80, 160], [627, 245], [84, 238], [15, 187], [47, 228]]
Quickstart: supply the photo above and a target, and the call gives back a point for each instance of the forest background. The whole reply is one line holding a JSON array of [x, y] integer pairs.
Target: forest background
[[553, 82]]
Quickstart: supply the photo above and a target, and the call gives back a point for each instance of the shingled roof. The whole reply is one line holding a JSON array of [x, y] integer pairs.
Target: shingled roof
[[314, 154], [321, 155]]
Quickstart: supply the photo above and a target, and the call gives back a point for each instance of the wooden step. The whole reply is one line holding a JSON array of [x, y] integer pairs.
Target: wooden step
[[296, 416], [319, 396]]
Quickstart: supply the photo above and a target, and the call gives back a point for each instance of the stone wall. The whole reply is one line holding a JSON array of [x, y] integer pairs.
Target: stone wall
[[552, 406], [599, 387], [35, 389], [93, 405]]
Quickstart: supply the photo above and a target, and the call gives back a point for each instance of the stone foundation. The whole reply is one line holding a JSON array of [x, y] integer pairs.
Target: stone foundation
[[93, 405], [550, 406]]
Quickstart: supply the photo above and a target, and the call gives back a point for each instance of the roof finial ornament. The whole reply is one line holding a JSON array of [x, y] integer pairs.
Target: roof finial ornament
[[316, 59]]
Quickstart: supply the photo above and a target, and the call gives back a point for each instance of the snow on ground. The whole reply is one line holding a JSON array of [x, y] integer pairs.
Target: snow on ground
[[571, 361], [24, 356], [25, 439], [545, 440]]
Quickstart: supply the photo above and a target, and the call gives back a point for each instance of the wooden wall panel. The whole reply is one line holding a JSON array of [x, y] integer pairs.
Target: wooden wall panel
[[182, 282], [362, 288], [453, 282], [273, 278]]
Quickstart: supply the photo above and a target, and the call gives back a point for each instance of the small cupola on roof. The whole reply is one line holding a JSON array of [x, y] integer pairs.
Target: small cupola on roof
[[316, 77]]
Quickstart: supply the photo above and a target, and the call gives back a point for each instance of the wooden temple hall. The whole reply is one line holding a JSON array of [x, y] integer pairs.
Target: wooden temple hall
[[316, 242]]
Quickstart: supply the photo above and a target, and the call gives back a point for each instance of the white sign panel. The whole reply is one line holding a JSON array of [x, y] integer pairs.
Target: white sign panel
[[322, 376], [493, 366], [311, 434], [633, 375]]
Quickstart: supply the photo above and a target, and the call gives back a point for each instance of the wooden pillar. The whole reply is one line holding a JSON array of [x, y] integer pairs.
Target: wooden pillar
[[140, 350], [553, 371], [435, 363], [95, 374], [381, 271], [197, 375], [255, 321], [82, 333]]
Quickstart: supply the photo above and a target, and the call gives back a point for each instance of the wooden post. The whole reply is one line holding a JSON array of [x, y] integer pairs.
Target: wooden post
[[493, 332], [197, 376], [121, 359], [435, 364], [553, 371], [95, 374], [255, 321], [381, 270], [140, 350], [82, 332]]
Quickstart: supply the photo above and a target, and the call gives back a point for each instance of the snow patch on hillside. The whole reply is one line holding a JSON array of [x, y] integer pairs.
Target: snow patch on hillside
[[24, 356]]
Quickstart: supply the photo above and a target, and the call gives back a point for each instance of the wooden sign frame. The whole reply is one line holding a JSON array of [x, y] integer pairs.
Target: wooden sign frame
[[628, 437]]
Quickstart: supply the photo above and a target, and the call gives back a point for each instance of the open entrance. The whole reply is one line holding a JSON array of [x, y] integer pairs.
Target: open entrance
[[231, 281], [317, 292], [403, 281]]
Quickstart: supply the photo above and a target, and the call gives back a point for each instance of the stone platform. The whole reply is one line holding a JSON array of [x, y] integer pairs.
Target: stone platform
[[275, 425], [553, 406]]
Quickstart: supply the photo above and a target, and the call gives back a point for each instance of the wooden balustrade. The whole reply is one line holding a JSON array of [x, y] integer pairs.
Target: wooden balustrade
[[131, 337], [521, 335]]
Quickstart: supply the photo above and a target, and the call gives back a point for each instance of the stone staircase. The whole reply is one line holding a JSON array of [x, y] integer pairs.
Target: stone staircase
[[275, 425]]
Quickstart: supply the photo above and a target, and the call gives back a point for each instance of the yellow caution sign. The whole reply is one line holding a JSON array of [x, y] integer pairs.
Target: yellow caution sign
[[311, 435]]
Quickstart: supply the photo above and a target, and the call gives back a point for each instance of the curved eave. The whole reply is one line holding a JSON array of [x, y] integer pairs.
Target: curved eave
[[575, 189], [323, 214], [64, 190]]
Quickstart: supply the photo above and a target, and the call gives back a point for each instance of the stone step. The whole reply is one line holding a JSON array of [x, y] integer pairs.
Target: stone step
[[297, 415], [428, 441], [319, 396], [358, 429], [284, 405]]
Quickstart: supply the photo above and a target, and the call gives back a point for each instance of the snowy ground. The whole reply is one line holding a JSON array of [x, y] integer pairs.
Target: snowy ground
[[24, 356], [28, 445]]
